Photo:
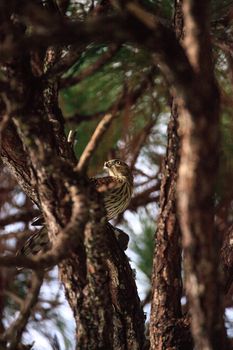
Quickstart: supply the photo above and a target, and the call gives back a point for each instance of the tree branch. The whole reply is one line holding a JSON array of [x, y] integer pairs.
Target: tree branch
[[95, 140], [130, 27], [14, 332], [20, 216], [100, 62], [126, 96]]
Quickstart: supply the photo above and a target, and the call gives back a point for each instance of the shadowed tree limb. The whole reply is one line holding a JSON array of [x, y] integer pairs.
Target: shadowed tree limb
[[68, 203], [128, 28], [100, 62], [46, 160], [199, 128], [20, 216], [166, 330]]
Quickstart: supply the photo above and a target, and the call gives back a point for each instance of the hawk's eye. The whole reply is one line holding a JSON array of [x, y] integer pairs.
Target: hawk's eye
[[118, 162]]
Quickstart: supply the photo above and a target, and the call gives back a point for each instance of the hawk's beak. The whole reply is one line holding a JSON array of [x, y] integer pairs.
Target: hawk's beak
[[106, 165]]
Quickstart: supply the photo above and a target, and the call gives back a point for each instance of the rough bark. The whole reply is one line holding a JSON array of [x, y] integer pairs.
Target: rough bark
[[44, 164], [98, 281], [2, 301], [168, 330], [196, 185]]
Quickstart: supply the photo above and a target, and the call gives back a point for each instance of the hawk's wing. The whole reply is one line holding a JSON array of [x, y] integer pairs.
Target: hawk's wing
[[106, 183], [38, 221], [101, 184]]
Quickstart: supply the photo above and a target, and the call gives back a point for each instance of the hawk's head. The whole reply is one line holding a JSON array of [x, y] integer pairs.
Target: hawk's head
[[118, 168]]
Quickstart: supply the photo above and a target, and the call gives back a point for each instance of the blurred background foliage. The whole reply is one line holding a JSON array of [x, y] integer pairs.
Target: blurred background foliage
[[128, 84]]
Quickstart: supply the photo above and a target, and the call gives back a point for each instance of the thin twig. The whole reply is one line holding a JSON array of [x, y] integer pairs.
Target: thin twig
[[14, 297], [141, 139], [31, 263], [78, 118], [71, 137], [127, 95], [145, 197], [19, 217], [147, 299], [14, 333], [71, 236], [95, 140], [18, 234], [105, 123], [100, 62]]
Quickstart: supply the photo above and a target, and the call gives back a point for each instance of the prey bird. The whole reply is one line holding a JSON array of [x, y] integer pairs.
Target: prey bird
[[116, 189]]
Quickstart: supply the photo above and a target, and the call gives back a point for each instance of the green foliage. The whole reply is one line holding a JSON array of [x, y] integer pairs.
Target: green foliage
[[220, 8], [162, 8], [223, 192], [226, 158], [97, 93], [100, 91]]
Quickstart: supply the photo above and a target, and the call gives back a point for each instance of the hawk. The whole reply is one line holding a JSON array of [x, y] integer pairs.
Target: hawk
[[117, 190]]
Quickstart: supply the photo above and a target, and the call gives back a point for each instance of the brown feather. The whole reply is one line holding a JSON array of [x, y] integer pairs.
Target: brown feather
[[117, 191]]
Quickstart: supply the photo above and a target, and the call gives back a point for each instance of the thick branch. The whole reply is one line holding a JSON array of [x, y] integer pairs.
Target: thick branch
[[135, 26], [17, 161]]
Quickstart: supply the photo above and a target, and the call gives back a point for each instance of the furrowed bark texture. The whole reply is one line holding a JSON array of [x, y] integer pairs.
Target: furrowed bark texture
[[167, 327], [46, 173], [99, 286], [227, 258], [127, 324], [2, 302], [100, 289], [197, 176], [98, 281]]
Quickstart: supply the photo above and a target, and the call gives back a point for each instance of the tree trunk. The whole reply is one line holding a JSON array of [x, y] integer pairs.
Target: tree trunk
[[99, 283], [168, 328], [199, 128]]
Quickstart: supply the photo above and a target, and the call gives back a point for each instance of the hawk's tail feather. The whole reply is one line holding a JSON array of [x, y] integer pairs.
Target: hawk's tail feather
[[39, 241]]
